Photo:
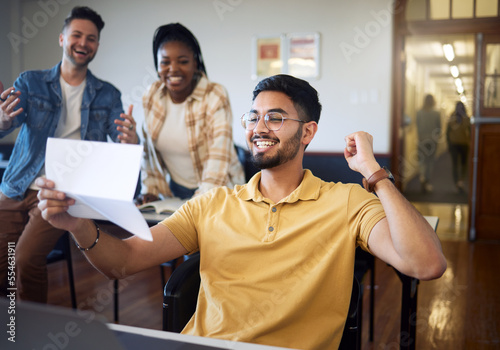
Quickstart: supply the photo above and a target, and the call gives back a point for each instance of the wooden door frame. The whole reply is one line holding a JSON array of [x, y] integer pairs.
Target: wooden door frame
[[481, 223], [401, 30]]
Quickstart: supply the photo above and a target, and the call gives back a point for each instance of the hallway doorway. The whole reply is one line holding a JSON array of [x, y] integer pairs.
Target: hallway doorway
[[422, 28], [449, 78]]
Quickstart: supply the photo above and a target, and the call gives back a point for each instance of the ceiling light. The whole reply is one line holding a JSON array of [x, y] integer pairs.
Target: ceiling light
[[448, 52], [458, 82], [460, 89], [454, 71]]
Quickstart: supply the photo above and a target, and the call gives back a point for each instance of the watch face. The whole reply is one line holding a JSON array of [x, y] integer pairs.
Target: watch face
[[391, 177]]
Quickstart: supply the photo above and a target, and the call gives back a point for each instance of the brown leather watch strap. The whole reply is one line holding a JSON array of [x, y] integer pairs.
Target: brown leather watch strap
[[374, 178]]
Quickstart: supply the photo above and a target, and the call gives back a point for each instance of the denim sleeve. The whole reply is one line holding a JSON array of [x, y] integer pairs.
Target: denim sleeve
[[116, 110]]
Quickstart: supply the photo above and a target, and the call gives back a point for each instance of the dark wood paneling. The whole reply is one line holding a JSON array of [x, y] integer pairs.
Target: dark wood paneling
[[488, 187]]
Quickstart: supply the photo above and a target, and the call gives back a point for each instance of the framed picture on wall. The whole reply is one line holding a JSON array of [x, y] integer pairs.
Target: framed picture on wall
[[267, 56], [296, 54], [303, 55]]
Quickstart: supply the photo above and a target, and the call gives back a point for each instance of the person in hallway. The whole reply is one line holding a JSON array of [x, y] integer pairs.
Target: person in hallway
[[458, 140], [188, 147], [429, 133], [275, 249], [66, 101]]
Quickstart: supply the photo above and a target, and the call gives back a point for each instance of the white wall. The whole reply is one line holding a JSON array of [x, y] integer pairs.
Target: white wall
[[355, 73], [6, 58]]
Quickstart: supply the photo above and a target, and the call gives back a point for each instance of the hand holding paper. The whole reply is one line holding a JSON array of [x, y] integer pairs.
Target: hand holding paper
[[101, 177]]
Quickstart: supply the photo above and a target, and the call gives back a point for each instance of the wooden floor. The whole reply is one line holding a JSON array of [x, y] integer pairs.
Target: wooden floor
[[461, 310]]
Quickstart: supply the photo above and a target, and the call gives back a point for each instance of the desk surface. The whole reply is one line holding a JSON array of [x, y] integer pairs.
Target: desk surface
[[202, 342], [433, 221], [152, 218]]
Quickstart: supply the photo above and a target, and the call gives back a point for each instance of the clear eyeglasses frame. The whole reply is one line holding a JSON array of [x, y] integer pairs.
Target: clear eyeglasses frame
[[273, 120]]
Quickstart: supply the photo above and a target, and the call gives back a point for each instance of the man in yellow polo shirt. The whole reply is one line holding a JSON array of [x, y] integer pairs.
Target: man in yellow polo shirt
[[274, 251]]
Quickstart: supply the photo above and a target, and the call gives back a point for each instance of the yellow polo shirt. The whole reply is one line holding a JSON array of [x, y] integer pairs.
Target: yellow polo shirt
[[276, 273]]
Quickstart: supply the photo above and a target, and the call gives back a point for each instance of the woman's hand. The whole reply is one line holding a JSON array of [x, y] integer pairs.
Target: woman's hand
[[127, 127], [146, 198]]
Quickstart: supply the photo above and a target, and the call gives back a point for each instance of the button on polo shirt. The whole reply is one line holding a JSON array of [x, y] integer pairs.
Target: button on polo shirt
[[307, 190]]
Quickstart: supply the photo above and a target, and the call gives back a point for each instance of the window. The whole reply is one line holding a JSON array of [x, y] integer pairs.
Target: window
[[421, 10], [492, 76]]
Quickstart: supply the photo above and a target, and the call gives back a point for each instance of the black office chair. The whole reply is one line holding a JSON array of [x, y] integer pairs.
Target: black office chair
[[181, 295], [172, 264], [62, 251], [244, 158], [351, 337], [364, 263]]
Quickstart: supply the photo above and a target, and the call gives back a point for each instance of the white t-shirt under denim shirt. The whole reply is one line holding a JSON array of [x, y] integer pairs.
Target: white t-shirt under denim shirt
[[70, 122]]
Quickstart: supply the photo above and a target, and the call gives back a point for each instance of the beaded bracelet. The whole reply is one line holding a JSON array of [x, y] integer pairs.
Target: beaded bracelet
[[93, 244]]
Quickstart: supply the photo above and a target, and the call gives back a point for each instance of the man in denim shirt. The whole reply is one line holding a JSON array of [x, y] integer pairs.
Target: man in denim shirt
[[66, 101]]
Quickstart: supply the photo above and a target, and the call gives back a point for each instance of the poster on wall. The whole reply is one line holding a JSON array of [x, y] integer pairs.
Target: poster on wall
[[303, 55], [296, 54], [268, 60]]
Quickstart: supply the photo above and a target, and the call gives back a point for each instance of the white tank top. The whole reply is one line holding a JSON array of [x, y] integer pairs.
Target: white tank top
[[172, 143]]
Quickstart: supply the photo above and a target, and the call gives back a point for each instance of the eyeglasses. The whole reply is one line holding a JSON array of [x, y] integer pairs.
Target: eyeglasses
[[273, 120]]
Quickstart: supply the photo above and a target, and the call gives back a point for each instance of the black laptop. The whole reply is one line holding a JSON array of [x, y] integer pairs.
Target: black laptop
[[33, 326]]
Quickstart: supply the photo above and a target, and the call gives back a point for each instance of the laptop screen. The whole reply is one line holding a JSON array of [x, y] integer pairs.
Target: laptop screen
[[39, 326]]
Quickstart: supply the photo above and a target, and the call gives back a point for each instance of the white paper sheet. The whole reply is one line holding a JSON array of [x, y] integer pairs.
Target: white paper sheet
[[101, 177]]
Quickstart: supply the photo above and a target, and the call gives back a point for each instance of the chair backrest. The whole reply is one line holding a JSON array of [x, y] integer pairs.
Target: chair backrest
[[244, 158], [351, 337], [181, 295], [61, 251]]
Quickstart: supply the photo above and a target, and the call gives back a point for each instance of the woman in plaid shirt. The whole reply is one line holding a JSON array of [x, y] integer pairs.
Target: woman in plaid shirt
[[188, 139]]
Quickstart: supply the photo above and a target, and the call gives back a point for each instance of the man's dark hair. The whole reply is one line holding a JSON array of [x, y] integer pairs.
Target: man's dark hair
[[177, 32], [303, 95], [84, 12]]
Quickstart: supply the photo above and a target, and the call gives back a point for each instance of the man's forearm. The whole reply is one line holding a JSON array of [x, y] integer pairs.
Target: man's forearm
[[107, 253]]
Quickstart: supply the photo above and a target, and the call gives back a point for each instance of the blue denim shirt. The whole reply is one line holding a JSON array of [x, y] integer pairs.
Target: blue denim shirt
[[41, 99]]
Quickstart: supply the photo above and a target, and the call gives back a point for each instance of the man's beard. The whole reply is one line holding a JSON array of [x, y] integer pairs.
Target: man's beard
[[73, 60], [291, 148]]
